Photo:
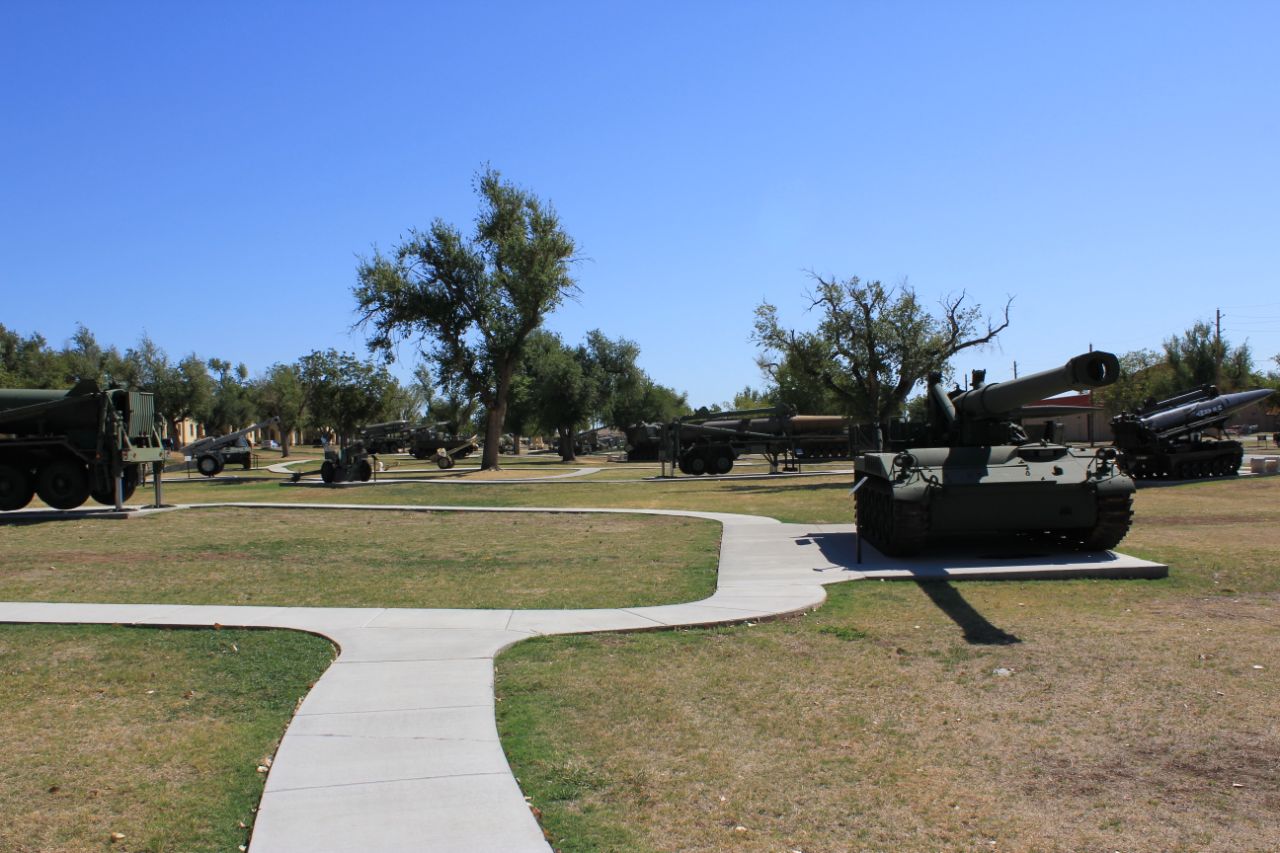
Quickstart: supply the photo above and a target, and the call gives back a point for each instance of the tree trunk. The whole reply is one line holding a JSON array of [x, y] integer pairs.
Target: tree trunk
[[567, 453], [497, 414], [174, 434], [515, 443], [284, 442]]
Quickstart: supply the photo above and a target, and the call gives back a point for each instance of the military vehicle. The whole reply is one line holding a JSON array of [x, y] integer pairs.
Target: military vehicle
[[347, 465], [388, 437], [710, 442], [1166, 438], [981, 475], [211, 454], [68, 446], [440, 443]]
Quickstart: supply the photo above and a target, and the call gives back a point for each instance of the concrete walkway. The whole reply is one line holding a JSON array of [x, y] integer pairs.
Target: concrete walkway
[[396, 747]]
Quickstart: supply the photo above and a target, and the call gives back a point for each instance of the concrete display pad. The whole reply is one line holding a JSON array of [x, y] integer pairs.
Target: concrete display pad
[[396, 746]]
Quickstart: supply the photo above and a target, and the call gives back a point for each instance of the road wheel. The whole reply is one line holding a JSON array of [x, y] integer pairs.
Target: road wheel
[[719, 462], [63, 483], [16, 488], [106, 495], [328, 471], [209, 465], [693, 463]]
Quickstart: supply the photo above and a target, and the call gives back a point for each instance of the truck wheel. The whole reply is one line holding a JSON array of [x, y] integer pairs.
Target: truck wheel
[[16, 488], [62, 483], [106, 495], [327, 471], [720, 462], [209, 465]]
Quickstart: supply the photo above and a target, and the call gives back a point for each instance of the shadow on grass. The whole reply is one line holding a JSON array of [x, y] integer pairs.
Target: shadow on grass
[[789, 486], [977, 629]]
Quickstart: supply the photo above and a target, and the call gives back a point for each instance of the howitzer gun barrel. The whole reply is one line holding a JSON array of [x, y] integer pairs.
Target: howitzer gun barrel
[[1087, 370]]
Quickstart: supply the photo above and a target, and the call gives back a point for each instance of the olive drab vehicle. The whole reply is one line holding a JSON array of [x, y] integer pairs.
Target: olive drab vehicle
[[980, 474], [211, 454], [353, 463], [1167, 438], [69, 446]]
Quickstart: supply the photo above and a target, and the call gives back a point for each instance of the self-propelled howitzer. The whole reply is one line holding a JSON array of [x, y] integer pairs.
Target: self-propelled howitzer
[[981, 475]]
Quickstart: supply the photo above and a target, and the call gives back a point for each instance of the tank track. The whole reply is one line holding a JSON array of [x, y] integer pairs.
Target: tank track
[[1115, 514], [894, 528]]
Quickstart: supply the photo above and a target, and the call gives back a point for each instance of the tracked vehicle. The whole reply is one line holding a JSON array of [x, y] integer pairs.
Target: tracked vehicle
[[980, 474]]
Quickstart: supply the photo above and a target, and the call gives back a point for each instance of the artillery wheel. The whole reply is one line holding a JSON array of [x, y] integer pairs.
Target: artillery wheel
[[106, 495], [16, 488], [444, 463], [364, 471], [719, 462], [328, 471], [209, 465], [63, 483], [894, 528], [693, 463], [1115, 513]]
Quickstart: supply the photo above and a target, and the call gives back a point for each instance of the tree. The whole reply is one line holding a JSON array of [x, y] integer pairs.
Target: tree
[[279, 393], [342, 391], [874, 344], [1200, 357], [475, 301], [232, 405]]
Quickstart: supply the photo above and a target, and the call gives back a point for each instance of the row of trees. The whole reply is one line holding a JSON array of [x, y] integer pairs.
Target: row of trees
[[322, 391]]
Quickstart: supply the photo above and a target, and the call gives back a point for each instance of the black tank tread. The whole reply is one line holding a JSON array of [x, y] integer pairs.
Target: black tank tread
[[1115, 514], [894, 528]]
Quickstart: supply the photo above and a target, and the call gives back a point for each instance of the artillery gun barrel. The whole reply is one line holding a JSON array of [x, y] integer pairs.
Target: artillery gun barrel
[[1087, 370]]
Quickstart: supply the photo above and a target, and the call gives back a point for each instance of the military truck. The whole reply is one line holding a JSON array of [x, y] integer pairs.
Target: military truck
[[69, 446]]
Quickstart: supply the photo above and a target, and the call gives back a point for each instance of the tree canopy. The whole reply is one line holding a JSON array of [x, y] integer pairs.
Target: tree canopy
[[873, 343], [472, 302]]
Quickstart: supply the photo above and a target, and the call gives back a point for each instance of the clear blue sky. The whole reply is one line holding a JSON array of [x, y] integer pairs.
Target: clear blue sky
[[210, 173]]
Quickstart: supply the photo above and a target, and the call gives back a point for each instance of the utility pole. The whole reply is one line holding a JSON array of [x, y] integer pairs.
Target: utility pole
[[1015, 370], [1217, 347]]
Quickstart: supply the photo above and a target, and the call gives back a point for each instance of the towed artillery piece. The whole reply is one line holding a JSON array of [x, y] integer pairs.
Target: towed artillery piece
[[213, 453], [388, 437], [69, 446], [711, 443], [440, 443], [348, 465], [1165, 438], [980, 474]]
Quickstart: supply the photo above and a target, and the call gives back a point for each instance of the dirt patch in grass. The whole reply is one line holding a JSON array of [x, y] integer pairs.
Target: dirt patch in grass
[[153, 734], [369, 559], [1064, 715]]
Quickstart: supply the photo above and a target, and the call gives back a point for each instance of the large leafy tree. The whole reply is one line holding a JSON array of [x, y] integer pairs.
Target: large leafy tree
[[873, 343], [279, 393], [342, 391], [472, 302], [232, 406]]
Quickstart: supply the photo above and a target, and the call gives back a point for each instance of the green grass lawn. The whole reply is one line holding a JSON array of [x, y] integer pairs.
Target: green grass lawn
[[154, 734], [328, 558], [1057, 715], [821, 499]]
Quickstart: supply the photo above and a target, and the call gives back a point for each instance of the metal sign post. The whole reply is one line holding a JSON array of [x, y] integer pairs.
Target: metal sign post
[[856, 532]]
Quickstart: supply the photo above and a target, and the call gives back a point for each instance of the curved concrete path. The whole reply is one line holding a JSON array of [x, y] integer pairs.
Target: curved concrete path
[[396, 746]]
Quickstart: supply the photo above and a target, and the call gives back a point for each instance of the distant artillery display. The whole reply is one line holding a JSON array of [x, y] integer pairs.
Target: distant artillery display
[[440, 443], [68, 446], [388, 437], [1165, 438], [710, 443], [210, 455], [980, 474], [348, 465], [586, 441]]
